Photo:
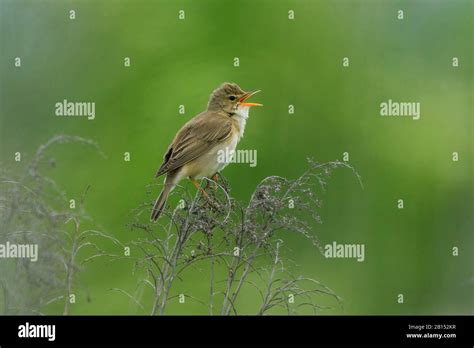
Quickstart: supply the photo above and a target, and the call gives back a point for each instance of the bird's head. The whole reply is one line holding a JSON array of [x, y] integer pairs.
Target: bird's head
[[230, 98]]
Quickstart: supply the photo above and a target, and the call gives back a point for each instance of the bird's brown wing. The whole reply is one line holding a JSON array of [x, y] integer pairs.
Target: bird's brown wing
[[196, 137]]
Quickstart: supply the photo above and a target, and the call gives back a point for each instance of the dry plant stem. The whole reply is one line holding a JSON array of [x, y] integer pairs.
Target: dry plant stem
[[6, 227], [233, 267], [33, 210], [211, 286], [70, 265], [61, 138]]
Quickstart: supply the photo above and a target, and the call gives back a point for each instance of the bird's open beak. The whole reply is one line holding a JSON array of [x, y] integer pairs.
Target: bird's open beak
[[247, 95]]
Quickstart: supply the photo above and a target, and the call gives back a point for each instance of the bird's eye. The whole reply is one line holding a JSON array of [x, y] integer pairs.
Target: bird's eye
[[232, 97]]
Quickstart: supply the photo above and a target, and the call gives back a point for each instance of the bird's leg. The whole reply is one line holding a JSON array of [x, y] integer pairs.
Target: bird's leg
[[223, 184], [216, 179], [200, 188]]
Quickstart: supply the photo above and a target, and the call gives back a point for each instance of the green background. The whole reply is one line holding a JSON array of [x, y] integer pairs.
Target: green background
[[297, 62]]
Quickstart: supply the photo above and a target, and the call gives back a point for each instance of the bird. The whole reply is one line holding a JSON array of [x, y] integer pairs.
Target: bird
[[194, 151]]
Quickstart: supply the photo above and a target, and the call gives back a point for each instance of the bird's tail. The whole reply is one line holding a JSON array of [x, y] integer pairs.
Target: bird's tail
[[160, 202]]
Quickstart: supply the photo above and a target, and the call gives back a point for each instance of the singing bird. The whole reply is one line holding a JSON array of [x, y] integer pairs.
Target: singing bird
[[194, 152]]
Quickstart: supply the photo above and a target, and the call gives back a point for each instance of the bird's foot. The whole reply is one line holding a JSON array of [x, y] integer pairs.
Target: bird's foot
[[216, 179], [205, 194]]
